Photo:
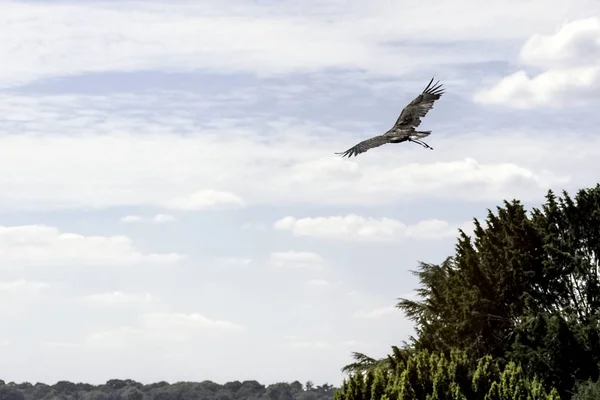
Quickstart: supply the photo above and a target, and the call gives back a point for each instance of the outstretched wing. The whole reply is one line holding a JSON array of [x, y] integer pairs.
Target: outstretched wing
[[366, 145], [420, 106]]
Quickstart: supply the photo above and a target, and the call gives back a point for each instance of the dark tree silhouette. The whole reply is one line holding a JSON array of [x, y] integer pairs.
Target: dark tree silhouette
[[127, 389], [525, 289]]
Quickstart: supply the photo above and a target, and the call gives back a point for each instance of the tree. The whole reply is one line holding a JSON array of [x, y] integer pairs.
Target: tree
[[524, 288], [474, 300], [9, 393]]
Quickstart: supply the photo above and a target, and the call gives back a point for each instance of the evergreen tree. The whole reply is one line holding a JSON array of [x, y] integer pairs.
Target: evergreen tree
[[523, 290]]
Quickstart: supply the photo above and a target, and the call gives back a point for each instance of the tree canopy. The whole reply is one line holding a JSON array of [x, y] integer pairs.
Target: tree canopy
[[523, 291]]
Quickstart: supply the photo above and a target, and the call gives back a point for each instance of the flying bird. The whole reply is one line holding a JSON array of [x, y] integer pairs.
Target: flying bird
[[404, 130]]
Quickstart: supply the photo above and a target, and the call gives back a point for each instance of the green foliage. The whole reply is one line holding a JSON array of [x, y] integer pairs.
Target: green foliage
[[362, 363], [378, 386], [524, 288], [587, 391], [473, 300], [520, 299], [435, 376]]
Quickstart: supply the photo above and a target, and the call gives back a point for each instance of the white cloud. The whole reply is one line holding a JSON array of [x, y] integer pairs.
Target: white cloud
[[281, 163], [444, 175], [377, 313], [570, 60], [16, 296], [162, 327], [297, 259], [121, 337], [47, 246], [162, 218], [167, 321], [356, 227], [119, 298], [254, 226], [323, 344], [131, 219], [158, 219], [47, 40], [206, 199], [311, 345], [574, 44], [234, 261], [22, 287], [318, 283]]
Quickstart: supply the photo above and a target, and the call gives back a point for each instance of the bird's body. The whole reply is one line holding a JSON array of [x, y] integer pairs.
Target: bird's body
[[404, 130]]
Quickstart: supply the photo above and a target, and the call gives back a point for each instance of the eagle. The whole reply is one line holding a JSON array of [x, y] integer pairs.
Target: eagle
[[404, 130]]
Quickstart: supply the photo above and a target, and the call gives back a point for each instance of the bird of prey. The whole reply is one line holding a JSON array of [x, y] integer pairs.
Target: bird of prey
[[404, 130]]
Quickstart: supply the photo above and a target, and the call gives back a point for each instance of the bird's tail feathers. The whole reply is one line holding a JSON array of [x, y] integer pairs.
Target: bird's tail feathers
[[420, 134]]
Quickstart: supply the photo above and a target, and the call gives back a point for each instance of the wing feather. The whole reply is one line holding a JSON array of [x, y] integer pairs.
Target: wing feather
[[366, 145], [411, 115]]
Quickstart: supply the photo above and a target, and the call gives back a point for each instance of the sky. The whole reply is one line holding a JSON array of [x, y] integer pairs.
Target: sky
[[171, 207]]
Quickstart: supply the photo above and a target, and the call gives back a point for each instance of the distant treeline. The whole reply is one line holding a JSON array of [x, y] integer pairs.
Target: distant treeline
[[117, 389]]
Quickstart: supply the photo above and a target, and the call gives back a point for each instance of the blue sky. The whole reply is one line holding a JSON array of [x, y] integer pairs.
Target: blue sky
[[170, 204]]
